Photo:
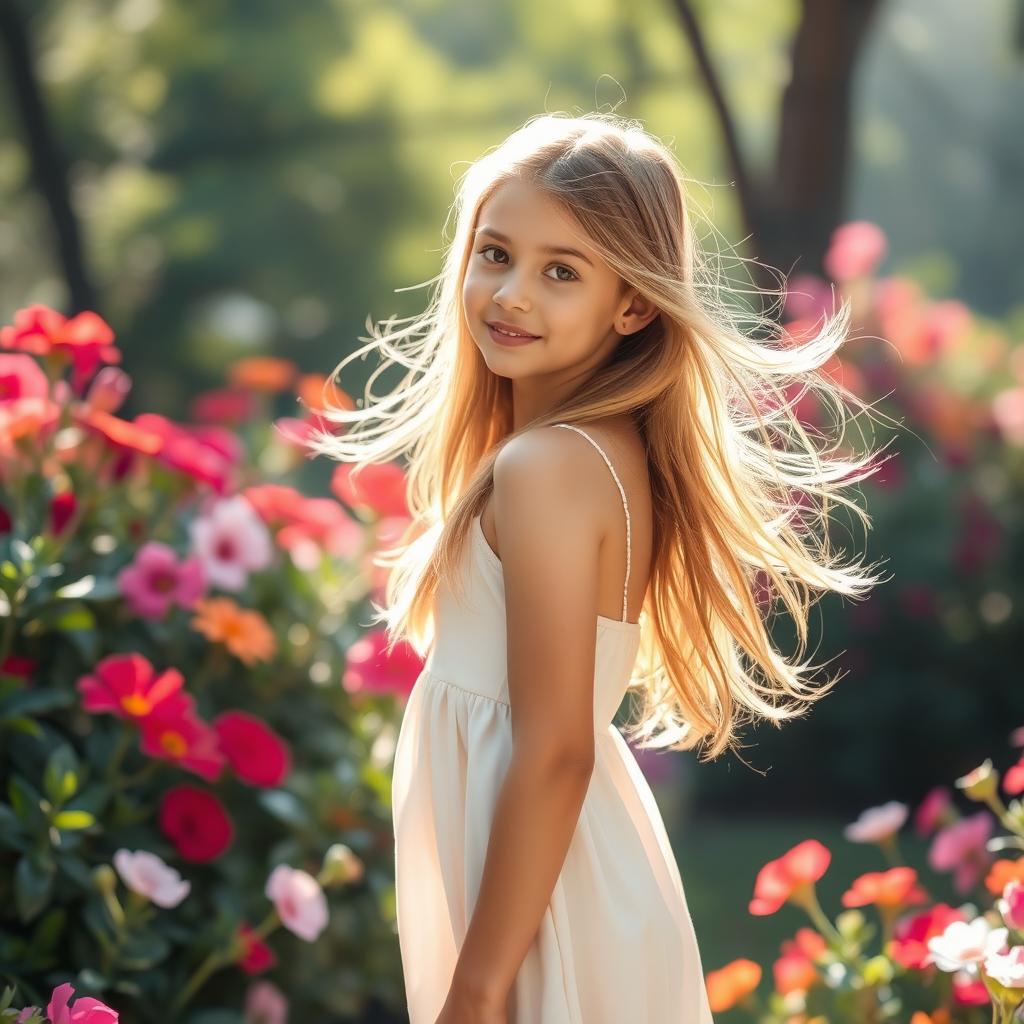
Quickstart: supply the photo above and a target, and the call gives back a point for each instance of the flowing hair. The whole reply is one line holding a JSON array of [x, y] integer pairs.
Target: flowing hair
[[739, 488]]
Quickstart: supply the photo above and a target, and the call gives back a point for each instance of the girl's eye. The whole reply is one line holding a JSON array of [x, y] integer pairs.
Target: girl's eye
[[557, 266]]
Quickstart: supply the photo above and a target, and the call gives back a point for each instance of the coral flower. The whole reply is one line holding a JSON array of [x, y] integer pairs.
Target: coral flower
[[732, 983], [245, 633], [262, 373], [196, 823], [1002, 873], [370, 669], [378, 486], [156, 579], [789, 877], [256, 753], [127, 685], [184, 740], [86, 1009], [896, 887], [299, 901]]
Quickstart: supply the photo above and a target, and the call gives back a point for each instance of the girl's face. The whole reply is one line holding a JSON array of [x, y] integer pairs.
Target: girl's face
[[530, 272]]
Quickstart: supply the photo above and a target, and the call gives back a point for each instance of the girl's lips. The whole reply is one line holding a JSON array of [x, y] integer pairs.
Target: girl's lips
[[507, 340]]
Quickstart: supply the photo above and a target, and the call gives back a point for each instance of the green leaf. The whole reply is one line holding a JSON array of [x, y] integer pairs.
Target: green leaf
[[76, 869], [60, 777], [25, 725], [26, 803], [143, 949], [33, 883], [73, 819], [35, 701]]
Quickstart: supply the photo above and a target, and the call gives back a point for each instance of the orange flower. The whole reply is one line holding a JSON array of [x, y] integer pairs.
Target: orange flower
[[262, 373], [314, 388], [245, 633], [896, 887], [732, 983], [940, 1016], [791, 875], [1004, 871]]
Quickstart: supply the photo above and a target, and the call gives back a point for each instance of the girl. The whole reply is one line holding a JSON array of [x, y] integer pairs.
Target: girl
[[606, 479]]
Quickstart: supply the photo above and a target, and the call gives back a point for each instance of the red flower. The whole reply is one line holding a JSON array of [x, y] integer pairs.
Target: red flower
[[1013, 780], [379, 486], [62, 508], [256, 753], [789, 876], [257, 956], [21, 668], [126, 685], [86, 338], [196, 822], [909, 945], [225, 405], [896, 887], [185, 740], [370, 669]]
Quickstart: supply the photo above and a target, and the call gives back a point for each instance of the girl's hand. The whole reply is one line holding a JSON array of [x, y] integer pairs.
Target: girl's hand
[[469, 1008]]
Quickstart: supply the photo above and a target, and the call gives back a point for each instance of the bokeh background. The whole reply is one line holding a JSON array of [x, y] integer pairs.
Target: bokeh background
[[240, 178]]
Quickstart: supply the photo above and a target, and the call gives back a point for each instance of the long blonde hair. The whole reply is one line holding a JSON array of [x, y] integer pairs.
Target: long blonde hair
[[734, 473]]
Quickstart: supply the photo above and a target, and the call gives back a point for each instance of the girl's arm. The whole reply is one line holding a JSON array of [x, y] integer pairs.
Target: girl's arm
[[548, 515]]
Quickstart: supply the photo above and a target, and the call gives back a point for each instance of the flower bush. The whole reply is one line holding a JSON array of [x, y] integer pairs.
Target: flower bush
[[195, 730], [932, 962]]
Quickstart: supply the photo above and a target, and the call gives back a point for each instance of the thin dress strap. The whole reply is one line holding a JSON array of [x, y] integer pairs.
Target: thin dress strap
[[625, 505]]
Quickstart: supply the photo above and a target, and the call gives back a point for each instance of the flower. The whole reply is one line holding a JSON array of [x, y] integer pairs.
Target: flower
[[185, 740], [795, 970], [1002, 873], [245, 633], [909, 944], [969, 990], [732, 983], [1007, 968], [196, 822], [299, 900], [877, 824], [896, 887], [981, 784], [109, 389], [1017, 737], [377, 486], [121, 434], [206, 454], [963, 945], [935, 809], [145, 873], [961, 848], [789, 876], [1013, 781], [262, 373], [231, 541], [256, 753], [1011, 905], [85, 1011], [126, 685], [156, 579], [225, 405], [341, 866], [370, 669], [62, 508], [21, 377], [855, 250], [265, 1003], [256, 955]]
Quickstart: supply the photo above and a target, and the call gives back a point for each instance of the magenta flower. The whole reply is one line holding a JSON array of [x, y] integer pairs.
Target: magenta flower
[[960, 848], [85, 1011], [370, 669], [156, 580], [935, 809], [231, 541], [855, 250], [299, 901]]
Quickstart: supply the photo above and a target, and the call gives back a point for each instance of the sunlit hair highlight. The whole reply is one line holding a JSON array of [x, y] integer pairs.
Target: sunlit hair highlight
[[741, 491]]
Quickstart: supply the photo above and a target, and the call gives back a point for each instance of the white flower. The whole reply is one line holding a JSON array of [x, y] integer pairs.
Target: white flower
[[877, 823], [231, 541], [963, 945], [1007, 968], [145, 873]]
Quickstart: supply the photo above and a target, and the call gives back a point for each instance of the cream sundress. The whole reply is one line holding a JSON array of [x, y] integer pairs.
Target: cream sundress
[[616, 944]]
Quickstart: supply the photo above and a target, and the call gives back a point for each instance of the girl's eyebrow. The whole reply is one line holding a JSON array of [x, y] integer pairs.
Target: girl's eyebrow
[[557, 250]]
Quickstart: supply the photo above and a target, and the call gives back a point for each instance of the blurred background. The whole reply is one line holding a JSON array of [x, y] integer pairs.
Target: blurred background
[[242, 178]]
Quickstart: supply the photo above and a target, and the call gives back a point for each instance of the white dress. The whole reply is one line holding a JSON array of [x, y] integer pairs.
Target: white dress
[[616, 944]]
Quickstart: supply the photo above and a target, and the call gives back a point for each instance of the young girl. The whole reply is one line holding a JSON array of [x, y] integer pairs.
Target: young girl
[[607, 481]]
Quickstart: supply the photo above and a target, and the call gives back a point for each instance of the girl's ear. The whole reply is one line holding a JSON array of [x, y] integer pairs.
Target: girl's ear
[[637, 314]]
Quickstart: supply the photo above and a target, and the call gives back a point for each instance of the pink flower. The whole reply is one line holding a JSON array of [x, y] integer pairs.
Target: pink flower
[[1011, 906], [378, 486], [1007, 968], [145, 873], [877, 824], [1013, 780], [299, 901], [21, 377], [1017, 737], [1008, 413], [808, 297], [109, 389], [370, 669], [855, 250], [265, 1003], [127, 685], [85, 1011], [961, 848], [156, 580], [231, 541], [934, 810]]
